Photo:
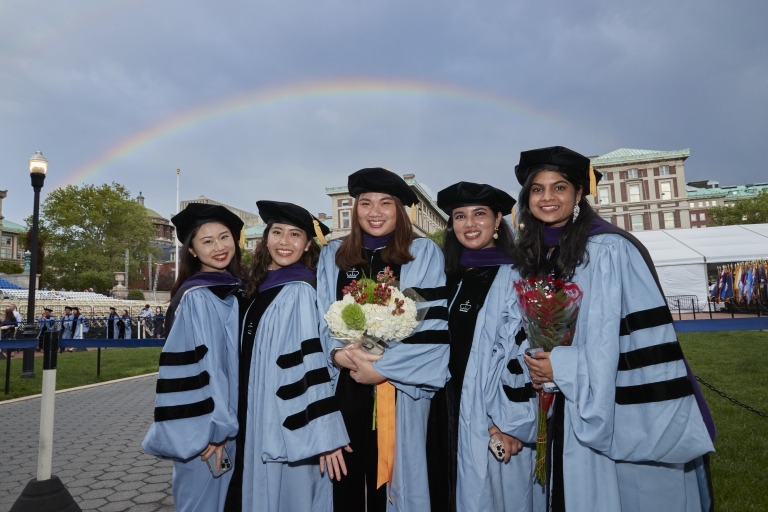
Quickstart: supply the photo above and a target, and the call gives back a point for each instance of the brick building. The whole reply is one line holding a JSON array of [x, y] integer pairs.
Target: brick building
[[703, 195], [642, 190]]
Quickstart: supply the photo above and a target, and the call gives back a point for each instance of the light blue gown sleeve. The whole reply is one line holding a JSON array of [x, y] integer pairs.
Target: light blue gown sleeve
[[299, 407], [624, 379], [327, 275], [511, 400], [196, 401], [419, 365]]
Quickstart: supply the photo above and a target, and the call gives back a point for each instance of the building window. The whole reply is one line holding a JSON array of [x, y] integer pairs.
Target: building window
[[702, 216], [637, 222], [665, 187], [692, 205], [663, 170], [250, 244], [706, 203], [701, 204], [693, 217], [632, 173], [604, 195], [345, 220], [6, 249], [669, 220], [344, 202], [634, 193]]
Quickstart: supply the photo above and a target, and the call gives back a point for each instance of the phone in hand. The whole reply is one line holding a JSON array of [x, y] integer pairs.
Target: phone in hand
[[226, 464], [548, 387]]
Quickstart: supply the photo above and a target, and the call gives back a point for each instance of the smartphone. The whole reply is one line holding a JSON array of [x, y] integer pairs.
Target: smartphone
[[496, 445], [226, 464], [548, 387], [371, 347]]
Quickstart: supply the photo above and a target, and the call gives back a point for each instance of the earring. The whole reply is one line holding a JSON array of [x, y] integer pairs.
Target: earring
[[576, 211], [496, 234]]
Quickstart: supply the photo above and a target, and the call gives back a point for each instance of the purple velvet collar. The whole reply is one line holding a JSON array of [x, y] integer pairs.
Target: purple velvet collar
[[376, 242], [552, 235], [287, 274], [484, 257], [212, 279]]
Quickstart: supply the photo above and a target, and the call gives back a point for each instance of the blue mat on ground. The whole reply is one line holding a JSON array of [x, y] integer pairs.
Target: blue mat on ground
[[106, 343], [722, 324]]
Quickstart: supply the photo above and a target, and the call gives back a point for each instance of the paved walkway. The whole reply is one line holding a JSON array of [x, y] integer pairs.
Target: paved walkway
[[97, 448]]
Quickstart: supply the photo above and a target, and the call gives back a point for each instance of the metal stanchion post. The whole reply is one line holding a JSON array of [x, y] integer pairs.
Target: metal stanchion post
[[98, 361], [46, 492]]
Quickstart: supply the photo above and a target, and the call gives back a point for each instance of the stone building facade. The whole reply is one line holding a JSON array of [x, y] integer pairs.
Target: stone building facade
[[425, 216], [703, 195], [642, 190], [248, 218], [10, 248]]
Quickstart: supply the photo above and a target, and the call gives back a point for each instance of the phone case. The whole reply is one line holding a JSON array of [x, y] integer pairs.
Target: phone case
[[226, 464]]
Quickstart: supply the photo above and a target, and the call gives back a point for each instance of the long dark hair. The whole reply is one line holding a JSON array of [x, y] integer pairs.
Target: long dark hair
[[262, 260], [189, 265], [452, 248], [531, 255], [397, 251]]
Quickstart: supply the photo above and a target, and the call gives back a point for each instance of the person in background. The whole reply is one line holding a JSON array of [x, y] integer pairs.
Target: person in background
[[125, 325], [47, 323], [112, 327], [79, 324], [17, 316], [158, 321], [146, 320], [66, 327], [9, 325]]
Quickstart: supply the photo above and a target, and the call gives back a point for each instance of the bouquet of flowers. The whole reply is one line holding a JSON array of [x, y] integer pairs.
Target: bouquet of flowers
[[374, 314], [550, 308]]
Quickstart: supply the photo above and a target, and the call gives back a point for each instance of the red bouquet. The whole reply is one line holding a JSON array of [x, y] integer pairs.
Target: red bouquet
[[550, 308]]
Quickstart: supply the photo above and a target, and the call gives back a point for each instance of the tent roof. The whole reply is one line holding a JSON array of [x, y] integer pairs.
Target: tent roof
[[720, 244]]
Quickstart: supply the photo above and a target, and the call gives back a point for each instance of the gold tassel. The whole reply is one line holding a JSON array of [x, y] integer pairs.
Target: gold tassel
[[413, 212], [592, 182], [242, 237], [319, 232], [514, 218]]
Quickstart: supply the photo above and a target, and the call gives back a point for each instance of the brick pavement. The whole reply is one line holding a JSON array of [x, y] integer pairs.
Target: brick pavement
[[97, 448]]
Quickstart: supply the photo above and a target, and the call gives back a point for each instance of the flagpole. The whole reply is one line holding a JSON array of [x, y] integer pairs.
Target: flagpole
[[176, 238]]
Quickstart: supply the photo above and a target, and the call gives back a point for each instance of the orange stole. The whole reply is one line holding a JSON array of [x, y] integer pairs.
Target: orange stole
[[385, 434]]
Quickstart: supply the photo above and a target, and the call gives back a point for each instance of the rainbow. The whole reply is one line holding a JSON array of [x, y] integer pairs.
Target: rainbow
[[373, 88]]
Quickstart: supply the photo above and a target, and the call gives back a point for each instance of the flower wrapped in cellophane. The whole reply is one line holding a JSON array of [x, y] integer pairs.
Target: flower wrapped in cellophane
[[550, 308], [374, 314]]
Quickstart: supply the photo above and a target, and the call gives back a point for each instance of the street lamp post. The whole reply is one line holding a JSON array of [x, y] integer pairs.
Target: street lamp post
[[38, 166], [75, 276]]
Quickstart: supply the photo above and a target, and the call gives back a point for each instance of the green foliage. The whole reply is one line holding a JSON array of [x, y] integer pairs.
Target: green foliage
[[135, 295], [437, 237], [354, 316], [744, 211], [735, 363], [246, 258], [79, 369], [93, 226], [6, 267]]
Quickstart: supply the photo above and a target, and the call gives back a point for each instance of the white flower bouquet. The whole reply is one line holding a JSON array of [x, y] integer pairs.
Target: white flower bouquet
[[374, 314]]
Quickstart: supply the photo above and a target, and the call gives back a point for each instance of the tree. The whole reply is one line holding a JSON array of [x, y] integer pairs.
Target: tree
[[26, 241], [7, 267], [745, 211], [93, 226], [437, 237]]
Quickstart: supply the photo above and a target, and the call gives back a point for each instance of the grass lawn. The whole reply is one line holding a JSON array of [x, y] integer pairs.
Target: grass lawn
[[737, 364], [79, 368]]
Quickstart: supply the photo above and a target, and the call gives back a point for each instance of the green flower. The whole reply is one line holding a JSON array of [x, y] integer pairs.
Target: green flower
[[354, 316]]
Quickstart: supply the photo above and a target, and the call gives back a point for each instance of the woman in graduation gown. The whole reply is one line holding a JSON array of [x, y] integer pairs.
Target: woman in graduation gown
[[196, 404], [388, 466], [287, 411], [463, 473], [629, 429]]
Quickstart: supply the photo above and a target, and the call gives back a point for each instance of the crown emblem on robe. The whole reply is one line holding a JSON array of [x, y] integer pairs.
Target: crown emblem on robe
[[352, 274], [464, 308]]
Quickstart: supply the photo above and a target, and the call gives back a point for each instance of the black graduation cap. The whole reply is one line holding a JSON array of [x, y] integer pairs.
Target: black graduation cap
[[558, 158], [465, 193], [48, 309], [197, 214], [382, 181], [295, 215]]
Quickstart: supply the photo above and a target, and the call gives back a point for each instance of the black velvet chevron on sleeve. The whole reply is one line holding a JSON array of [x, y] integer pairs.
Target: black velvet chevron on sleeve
[[313, 411], [310, 346]]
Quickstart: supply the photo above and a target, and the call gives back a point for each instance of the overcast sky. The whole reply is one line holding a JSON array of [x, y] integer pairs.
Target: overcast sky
[[280, 99]]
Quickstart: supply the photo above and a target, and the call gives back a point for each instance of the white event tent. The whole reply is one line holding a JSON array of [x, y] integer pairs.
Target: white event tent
[[681, 255]]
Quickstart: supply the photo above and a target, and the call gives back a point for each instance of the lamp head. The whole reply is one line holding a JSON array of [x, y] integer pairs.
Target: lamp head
[[38, 164]]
